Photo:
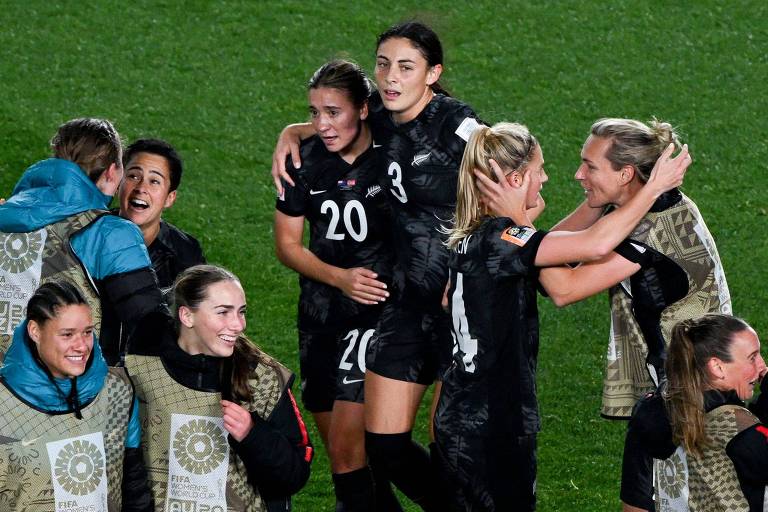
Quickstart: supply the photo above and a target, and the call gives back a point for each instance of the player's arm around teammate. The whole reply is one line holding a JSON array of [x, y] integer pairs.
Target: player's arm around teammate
[[494, 262], [61, 402], [343, 270]]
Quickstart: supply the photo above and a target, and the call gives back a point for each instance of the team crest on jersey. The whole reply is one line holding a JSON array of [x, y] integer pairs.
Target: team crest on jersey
[[517, 235], [346, 184], [420, 159], [373, 190]]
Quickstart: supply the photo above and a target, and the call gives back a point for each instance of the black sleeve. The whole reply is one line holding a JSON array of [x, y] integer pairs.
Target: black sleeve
[[749, 452], [293, 202], [649, 435], [511, 250], [135, 486], [633, 251], [126, 299], [277, 452]]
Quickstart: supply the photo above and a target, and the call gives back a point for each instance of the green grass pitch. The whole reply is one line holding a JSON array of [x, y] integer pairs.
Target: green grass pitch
[[220, 79]]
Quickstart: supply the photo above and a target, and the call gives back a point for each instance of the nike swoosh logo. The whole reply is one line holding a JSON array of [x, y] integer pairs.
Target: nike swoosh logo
[[376, 145], [315, 192], [25, 442], [345, 380]]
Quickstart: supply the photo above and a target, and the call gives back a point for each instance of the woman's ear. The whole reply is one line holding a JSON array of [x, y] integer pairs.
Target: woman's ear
[[364, 111], [715, 369], [33, 329], [433, 74], [515, 178], [186, 317], [627, 173]]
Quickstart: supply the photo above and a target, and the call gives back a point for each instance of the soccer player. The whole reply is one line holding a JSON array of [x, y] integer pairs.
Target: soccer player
[[153, 172], [223, 430], [344, 271], [69, 425], [721, 462], [422, 132], [487, 417], [55, 225], [667, 270]]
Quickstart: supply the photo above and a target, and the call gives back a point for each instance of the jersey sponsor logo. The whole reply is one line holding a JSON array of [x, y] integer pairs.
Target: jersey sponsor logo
[[373, 190], [517, 235], [346, 184], [420, 159], [467, 127], [315, 192], [347, 380]]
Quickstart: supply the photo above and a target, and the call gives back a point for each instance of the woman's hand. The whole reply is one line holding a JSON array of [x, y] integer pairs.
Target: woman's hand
[[287, 144], [237, 421], [668, 173], [502, 198], [360, 285]]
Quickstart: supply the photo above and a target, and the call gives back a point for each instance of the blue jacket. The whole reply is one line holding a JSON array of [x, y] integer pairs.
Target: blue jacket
[[54, 189], [23, 374]]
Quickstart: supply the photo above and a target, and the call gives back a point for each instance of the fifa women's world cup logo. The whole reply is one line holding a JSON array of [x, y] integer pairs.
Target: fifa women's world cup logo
[[78, 472], [19, 251], [199, 446], [79, 467]]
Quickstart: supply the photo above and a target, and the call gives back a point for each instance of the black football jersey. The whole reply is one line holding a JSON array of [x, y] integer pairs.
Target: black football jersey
[[349, 226], [490, 388], [420, 174]]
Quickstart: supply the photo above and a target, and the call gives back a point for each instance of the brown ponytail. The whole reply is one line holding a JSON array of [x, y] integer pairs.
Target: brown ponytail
[[694, 342]]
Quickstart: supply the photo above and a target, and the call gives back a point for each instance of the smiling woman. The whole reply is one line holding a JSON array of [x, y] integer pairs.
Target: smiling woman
[[215, 406], [58, 398], [714, 456]]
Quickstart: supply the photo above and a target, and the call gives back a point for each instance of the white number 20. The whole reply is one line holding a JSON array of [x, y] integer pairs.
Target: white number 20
[[352, 337], [354, 205]]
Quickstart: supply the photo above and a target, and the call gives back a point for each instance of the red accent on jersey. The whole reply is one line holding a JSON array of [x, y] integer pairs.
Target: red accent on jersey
[[302, 428], [763, 430]]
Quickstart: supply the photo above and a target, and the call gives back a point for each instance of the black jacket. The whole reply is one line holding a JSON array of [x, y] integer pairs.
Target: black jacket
[[172, 252]]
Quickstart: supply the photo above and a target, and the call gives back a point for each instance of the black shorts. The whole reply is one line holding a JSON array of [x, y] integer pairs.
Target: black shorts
[[317, 365], [332, 364], [413, 345], [351, 355], [488, 473]]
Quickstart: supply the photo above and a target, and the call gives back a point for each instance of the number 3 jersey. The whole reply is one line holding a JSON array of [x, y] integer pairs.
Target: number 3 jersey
[[490, 389], [349, 222], [420, 174]]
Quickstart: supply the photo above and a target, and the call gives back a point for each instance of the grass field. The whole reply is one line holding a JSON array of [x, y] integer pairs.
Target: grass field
[[219, 80]]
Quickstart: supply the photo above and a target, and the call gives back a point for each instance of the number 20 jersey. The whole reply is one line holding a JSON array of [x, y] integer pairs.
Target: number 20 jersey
[[349, 219], [420, 175]]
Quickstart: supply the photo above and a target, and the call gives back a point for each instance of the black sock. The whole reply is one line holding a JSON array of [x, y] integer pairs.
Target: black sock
[[354, 491], [406, 464], [386, 501]]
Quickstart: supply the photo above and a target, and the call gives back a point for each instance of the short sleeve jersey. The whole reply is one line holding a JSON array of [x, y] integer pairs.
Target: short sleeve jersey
[[420, 174], [349, 223], [490, 388]]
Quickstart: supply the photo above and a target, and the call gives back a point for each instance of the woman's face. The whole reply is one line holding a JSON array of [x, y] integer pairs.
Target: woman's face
[[404, 77], [65, 341], [746, 366], [538, 177], [601, 183], [335, 118], [214, 326]]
